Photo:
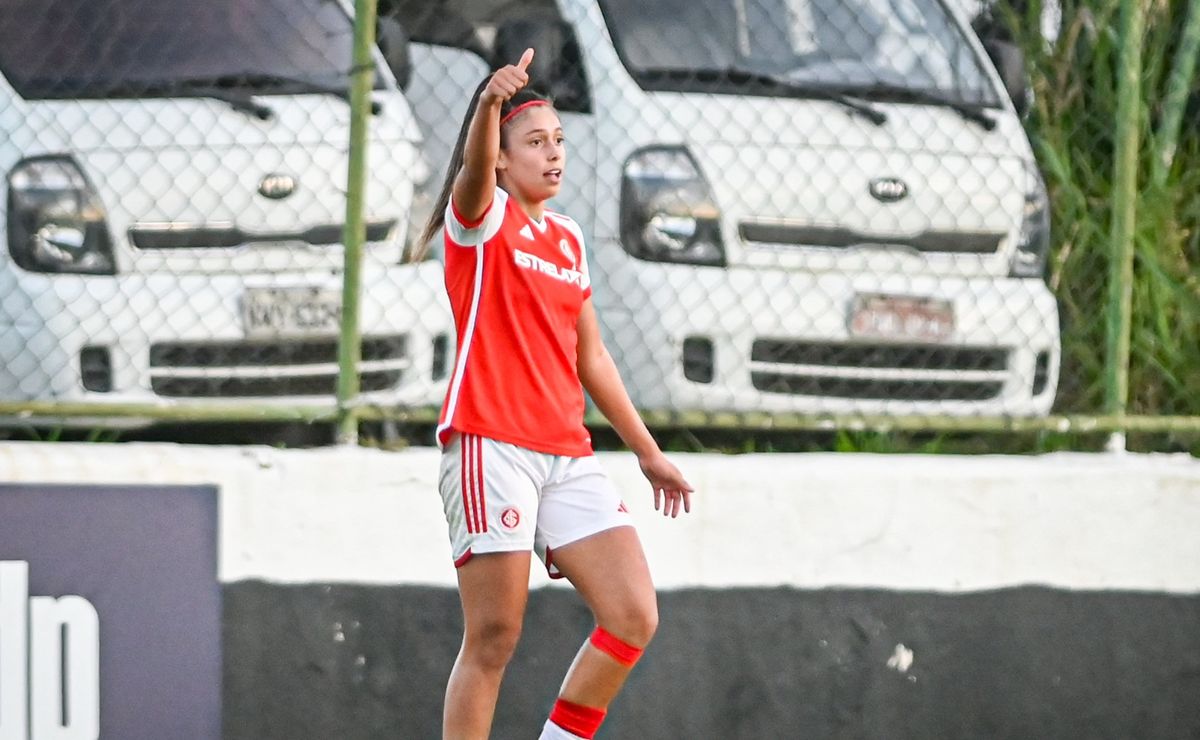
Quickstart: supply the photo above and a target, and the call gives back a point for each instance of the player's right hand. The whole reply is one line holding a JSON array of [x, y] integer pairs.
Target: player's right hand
[[508, 80]]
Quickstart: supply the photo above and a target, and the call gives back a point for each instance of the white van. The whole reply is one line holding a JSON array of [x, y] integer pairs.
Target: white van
[[815, 206], [176, 178]]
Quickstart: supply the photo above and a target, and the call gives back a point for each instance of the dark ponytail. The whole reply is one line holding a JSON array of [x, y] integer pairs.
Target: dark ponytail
[[437, 216]]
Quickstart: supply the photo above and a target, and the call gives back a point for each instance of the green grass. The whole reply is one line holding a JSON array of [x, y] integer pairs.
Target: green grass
[[1072, 126]]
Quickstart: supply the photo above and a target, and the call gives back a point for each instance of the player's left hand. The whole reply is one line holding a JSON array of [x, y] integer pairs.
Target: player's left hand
[[508, 80], [672, 494]]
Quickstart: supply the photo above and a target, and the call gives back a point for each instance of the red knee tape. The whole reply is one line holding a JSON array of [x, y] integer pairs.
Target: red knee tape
[[621, 651], [576, 718]]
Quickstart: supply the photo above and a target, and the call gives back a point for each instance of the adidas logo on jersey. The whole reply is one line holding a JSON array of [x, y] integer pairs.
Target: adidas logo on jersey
[[533, 262], [527, 232]]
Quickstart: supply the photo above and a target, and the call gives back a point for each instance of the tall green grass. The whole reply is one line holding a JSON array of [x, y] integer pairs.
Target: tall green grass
[[1073, 126]]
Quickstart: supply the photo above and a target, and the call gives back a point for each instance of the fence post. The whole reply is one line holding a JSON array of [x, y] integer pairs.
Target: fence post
[[1120, 274], [1180, 84], [362, 77]]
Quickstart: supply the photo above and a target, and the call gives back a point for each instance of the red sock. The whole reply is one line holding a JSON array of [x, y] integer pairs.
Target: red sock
[[621, 651], [576, 718]]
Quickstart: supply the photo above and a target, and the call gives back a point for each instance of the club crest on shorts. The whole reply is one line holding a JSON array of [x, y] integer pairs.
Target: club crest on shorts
[[510, 518]]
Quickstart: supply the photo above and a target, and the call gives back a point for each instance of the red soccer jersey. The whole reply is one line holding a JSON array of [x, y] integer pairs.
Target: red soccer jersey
[[516, 287]]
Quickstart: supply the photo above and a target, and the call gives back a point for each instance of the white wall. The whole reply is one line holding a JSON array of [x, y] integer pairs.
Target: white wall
[[807, 520]]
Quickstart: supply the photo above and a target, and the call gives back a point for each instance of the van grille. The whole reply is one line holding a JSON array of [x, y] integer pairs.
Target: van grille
[[903, 372], [950, 242], [250, 369], [189, 236]]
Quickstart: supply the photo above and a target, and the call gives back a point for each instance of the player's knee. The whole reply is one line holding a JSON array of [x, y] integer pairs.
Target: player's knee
[[492, 642], [635, 624], [645, 624]]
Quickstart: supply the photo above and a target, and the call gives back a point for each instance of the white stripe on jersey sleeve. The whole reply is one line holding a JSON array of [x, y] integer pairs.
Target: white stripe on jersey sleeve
[[475, 236], [571, 226]]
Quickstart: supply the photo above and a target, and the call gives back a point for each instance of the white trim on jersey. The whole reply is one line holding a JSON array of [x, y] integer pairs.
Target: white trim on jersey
[[460, 366], [488, 227], [472, 238], [573, 227]]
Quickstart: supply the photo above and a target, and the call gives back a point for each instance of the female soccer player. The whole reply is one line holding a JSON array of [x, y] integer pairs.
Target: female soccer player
[[518, 473]]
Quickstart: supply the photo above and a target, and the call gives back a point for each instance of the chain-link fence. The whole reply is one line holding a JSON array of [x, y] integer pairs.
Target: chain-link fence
[[797, 212], [176, 201]]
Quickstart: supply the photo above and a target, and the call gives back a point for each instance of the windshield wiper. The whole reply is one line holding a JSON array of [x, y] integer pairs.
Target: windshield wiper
[[740, 76], [189, 88], [975, 112], [255, 79], [242, 103]]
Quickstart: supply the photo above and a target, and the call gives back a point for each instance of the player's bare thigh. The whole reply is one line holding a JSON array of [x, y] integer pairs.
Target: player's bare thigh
[[610, 572]]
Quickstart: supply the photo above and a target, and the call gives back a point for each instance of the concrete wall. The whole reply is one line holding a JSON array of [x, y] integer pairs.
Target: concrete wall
[[355, 661], [807, 595]]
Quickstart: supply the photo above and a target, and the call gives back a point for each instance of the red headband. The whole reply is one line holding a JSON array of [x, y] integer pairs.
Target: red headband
[[521, 107]]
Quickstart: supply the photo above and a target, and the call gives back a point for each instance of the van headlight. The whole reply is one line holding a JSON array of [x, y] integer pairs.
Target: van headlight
[[55, 220], [668, 213], [1034, 241]]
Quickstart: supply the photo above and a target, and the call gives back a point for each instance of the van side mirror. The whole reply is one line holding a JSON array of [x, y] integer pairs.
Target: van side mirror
[[392, 40], [1010, 63], [557, 68]]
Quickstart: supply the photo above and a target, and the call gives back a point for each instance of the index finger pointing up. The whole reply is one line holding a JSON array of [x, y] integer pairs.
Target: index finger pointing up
[[526, 58]]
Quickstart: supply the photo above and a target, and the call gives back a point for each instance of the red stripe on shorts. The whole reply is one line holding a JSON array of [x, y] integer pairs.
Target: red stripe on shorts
[[471, 513], [463, 445], [480, 487], [468, 486], [471, 473]]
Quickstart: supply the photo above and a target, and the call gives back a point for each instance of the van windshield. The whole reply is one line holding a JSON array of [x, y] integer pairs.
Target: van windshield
[[126, 48], [875, 48]]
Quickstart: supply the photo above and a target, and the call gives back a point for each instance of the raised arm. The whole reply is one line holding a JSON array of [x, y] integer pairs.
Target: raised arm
[[599, 376], [475, 183]]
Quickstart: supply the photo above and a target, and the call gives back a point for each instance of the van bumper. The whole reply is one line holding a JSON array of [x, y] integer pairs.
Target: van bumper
[[179, 340], [770, 340]]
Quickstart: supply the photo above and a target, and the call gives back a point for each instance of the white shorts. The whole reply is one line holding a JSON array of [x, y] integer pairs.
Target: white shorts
[[499, 497]]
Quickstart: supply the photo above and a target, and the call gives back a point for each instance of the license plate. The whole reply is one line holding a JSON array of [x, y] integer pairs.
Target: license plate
[[901, 317], [291, 312]]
